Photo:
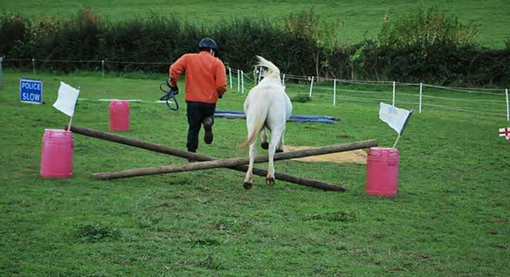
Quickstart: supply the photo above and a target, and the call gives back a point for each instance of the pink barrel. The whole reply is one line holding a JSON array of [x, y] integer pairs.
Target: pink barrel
[[57, 154], [382, 171], [119, 115]]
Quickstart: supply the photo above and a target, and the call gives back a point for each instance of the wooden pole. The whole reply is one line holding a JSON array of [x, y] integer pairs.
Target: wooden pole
[[234, 161], [396, 141], [198, 157], [70, 123]]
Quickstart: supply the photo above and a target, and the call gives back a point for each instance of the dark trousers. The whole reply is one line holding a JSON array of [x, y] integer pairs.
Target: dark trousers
[[197, 112]]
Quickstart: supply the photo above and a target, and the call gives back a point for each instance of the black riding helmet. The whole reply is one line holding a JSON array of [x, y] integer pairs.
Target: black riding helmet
[[207, 43]]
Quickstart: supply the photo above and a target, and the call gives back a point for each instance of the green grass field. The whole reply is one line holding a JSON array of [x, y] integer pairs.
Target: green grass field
[[450, 217], [354, 19]]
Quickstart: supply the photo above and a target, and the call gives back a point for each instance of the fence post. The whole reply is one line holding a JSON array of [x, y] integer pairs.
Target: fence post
[[102, 68], [33, 65], [394, 93], [334, 92], [242, 82], [421, 95], [1, 82], [238, 80], [311, 88], [230, 76], [507, 106], [283, 80]]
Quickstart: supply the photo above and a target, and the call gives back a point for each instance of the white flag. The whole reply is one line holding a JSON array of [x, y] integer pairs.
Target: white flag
[[395, 117], [67, 97]]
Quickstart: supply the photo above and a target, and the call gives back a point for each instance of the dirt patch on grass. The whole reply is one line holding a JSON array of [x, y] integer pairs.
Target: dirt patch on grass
[[355, 156]]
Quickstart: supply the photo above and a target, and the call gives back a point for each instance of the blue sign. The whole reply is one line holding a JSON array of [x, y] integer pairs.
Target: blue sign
[[31, 91]]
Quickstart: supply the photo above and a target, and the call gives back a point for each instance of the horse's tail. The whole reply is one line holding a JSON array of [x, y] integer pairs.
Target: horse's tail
[[273, 71], [260, 119]]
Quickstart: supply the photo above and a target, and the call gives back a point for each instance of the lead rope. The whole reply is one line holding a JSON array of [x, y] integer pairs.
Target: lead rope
[[169, 94]]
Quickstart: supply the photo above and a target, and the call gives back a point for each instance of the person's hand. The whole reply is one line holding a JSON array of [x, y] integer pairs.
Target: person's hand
[[175, 89]]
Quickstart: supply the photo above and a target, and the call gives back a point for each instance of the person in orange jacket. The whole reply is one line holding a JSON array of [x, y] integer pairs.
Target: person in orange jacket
[[206, 82]]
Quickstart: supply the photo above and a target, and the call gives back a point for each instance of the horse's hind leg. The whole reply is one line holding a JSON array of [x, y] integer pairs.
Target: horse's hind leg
[[248, 180], [279, 149], [264, 144], [275, 139]]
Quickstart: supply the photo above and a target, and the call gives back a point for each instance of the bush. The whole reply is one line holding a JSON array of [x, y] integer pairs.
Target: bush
[[241, 40], [303, 25], [430, 46], [424, 28], [57, 42], [426, 45], [151, 40], [14, 34], [301, 99]]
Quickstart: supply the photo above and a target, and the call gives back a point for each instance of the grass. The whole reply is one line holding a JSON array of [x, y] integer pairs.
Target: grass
[[353, 20], [450, 217]]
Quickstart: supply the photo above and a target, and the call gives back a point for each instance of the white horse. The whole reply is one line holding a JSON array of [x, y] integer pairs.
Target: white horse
[[267, 106]]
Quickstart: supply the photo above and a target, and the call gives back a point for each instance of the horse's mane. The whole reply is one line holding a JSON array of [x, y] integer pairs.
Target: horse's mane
[[272, 72]]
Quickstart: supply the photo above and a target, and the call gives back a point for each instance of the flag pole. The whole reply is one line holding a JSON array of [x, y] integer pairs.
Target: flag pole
[[71, 119], [396, 141], [69, 126]]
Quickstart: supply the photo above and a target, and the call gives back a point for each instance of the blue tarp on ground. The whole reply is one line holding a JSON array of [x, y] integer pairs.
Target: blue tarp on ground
[[293, 118]]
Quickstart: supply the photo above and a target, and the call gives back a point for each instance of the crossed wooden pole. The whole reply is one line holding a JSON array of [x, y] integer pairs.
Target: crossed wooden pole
[[207, 162]]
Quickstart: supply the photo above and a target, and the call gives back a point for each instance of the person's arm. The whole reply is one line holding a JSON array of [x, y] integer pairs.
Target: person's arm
[[221, 79], [176, 69]]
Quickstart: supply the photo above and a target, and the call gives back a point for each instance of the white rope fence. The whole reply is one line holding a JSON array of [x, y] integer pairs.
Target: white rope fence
[[424, 98], [322, 87]]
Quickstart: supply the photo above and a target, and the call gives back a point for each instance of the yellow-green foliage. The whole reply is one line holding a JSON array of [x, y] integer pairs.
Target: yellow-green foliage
[[425, 28]]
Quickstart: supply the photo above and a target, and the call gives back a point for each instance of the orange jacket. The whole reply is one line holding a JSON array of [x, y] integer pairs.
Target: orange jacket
[[206, 79]]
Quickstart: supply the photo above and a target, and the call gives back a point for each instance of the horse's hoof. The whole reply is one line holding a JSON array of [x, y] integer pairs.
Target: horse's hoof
[[247, 185], [265, 145], [270, 181], [279, 150]]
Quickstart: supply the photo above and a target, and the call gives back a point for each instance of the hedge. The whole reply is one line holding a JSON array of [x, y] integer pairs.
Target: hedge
[[151, 44]]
